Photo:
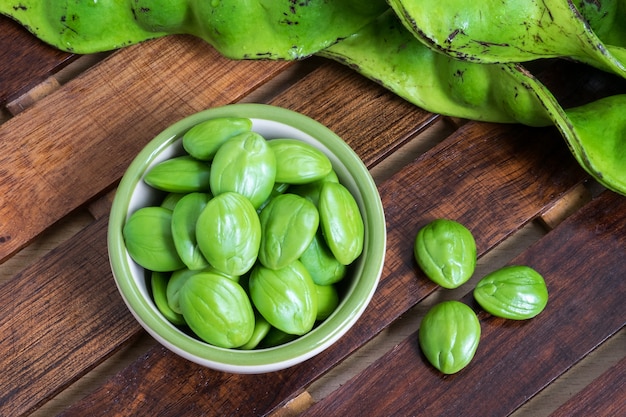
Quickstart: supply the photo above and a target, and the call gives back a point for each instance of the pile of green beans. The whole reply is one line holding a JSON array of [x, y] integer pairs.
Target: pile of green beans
[[446, 56], [252, 239], [449, 334]]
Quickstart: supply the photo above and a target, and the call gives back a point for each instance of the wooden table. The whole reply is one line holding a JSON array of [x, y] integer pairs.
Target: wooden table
[[70, 127]]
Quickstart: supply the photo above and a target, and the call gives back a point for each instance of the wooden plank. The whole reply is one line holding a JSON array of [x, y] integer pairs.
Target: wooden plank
[[76, 143], [59, 319], [583, 264], [26, 61], [483, 168], [604, 397]]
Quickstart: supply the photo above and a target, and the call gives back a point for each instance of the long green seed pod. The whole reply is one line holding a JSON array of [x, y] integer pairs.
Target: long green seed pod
[[238, 29], [387, 53], [498, 31]]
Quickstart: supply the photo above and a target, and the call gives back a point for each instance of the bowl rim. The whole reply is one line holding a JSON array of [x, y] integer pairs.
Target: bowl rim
[[260, 360]]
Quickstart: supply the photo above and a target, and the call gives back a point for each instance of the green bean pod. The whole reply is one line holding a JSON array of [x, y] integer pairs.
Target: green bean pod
[[280, 29], [506, 93], [498, 31]]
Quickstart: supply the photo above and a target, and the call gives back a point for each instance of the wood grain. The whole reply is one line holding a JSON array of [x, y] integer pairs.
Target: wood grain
[[515, 359], [26, 61], [60, 333], [75, 144], [604, 397]]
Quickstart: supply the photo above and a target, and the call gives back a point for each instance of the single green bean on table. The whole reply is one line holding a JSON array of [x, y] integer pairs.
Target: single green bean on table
[[446, 56]]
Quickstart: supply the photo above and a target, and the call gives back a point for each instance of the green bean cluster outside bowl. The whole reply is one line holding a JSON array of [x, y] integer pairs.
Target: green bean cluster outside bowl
[[359, 285]]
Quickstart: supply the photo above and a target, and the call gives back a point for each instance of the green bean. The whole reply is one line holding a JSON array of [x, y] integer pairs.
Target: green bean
[[515, 292], [217, 309], [449, 335], [446, 251]]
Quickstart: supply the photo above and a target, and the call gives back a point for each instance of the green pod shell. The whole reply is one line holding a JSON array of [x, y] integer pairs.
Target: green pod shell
[[298, 162], [286, 297], [288, 225], [449, 336], [182, 174], [184, 219], [204, 139], [244, 164], [342, 224], [324, 268], [148, 238], [446, 251], [327, 301], [158, 284], [515, 292], [229, 233], [217, 310]]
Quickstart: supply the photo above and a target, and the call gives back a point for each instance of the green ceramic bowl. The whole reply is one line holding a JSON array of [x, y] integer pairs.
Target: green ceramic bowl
[[271, 122]]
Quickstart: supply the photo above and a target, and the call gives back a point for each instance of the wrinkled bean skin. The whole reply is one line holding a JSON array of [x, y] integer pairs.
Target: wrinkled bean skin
[[217, 309], [446, 251], [184, 218], [286, 297], [449, 336], [288, 225], [148, 238], [515, 292], [229, 233], [183, 174], [341, 221], [298, 162], [204, 139], [244, 164]]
